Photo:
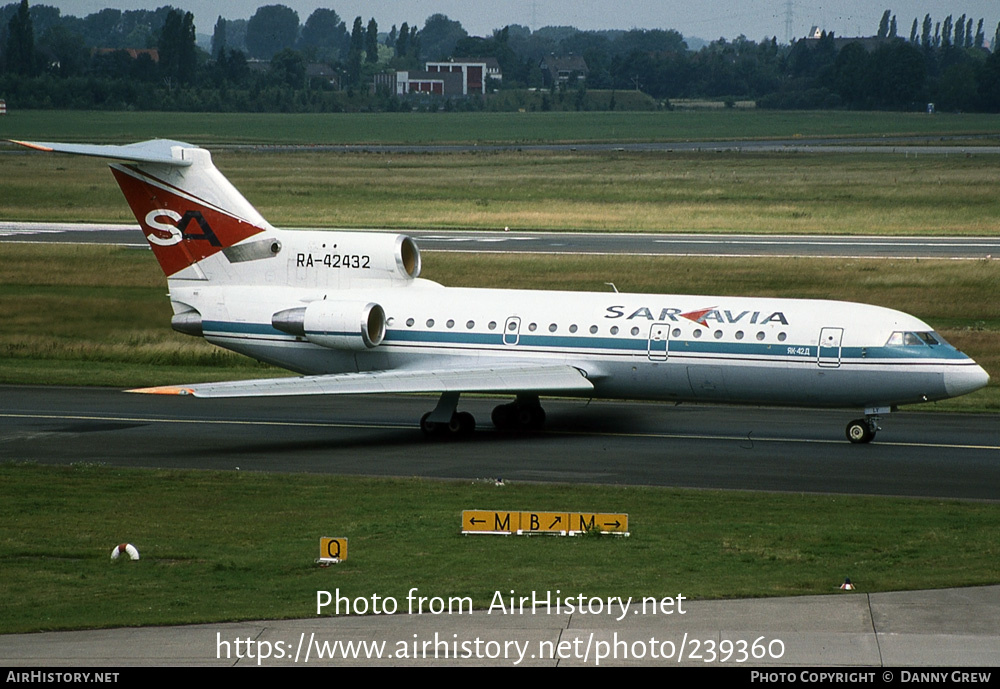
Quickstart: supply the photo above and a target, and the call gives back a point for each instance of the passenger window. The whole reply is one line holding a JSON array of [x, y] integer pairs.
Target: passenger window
[[614, 329]]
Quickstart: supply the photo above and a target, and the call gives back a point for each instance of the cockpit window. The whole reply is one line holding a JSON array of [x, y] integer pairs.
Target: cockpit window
[[910, 339]]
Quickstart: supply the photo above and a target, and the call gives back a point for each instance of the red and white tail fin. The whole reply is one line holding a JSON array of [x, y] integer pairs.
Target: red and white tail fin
[[186, 208]]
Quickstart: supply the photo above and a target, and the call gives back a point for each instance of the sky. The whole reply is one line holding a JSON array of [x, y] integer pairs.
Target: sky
[[706, 19]]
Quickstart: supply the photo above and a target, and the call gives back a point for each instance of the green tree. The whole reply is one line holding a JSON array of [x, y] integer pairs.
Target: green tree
[[178, 56], [957, 88], [651, 40], [989, 82], [65, 50], [219, 38], [234, 67], [270, 29], [883, 25], [439, 36], [354, 55], [371, 42], [324, 35], [404, 37], [407, 48], [900, 74], [853, 75], [99, 28], [21, 42], [289, 68], [415, 44]]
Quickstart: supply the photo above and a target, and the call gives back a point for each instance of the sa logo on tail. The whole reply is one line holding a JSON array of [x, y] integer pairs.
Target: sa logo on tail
[[177, 232]]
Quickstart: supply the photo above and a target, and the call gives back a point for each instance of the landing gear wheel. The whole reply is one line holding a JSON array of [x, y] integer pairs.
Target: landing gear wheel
[[462, 424], [530, 417], [518, 416], [503, 416], [860, 431]]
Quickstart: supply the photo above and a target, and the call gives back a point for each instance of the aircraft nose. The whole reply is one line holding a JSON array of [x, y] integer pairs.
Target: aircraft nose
[[964, 380]]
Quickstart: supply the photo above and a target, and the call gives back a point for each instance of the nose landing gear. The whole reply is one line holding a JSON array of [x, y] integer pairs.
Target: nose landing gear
[[863, 431]]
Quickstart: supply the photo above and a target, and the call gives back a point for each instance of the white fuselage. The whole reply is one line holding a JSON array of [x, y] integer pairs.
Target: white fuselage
[[634, 346]]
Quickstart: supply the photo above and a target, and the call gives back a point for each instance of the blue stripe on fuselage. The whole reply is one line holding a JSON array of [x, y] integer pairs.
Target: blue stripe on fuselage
[[611, 345]]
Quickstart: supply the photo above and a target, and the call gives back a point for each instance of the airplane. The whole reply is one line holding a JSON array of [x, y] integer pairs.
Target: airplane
[[348, 311]]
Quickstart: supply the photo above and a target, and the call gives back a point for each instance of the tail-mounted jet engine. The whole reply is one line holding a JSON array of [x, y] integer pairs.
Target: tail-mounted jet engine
[[352, 325], [341, 260]]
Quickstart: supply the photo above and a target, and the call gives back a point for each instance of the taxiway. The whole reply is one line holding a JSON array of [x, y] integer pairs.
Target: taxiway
[[916, 454]]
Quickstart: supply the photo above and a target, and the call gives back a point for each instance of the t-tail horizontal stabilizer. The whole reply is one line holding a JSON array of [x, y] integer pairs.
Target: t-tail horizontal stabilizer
[[159, 151]]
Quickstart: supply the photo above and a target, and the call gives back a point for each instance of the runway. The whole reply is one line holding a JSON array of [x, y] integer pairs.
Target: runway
[[899, 145], [916, 454], [650, 244]]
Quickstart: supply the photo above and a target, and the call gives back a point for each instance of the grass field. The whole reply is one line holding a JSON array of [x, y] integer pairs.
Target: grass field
[[509, 127], [239, 545], [664, 192]]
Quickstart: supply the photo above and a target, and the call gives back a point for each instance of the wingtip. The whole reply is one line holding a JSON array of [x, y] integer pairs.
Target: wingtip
[[163, 390], [29, 144]]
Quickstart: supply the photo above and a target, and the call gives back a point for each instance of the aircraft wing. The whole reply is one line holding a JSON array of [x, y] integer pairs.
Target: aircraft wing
[[526, 378]]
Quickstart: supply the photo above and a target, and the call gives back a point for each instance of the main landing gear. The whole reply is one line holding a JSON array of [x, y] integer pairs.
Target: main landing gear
[[863, 430], [445, 421], [523, 414]]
